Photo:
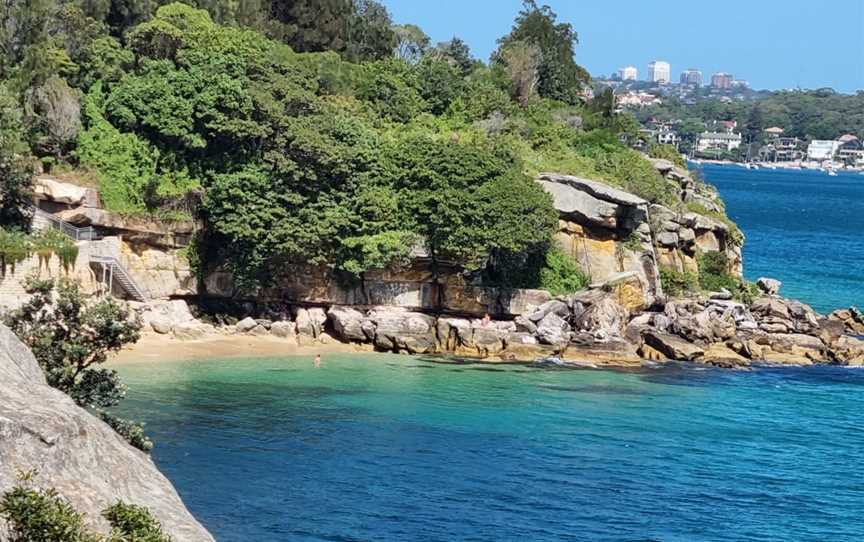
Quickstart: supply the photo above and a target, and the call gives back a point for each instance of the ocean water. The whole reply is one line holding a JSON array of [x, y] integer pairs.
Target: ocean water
[[805, 228], [397, 448]]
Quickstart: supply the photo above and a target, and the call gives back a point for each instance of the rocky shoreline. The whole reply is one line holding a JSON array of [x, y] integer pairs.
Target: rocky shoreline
[[591, 328]]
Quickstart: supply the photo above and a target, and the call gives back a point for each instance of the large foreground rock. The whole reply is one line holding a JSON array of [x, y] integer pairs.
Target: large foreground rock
[[84, 459]]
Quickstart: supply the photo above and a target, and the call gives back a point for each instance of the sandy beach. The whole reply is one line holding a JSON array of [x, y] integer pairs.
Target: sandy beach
[[156, 348]]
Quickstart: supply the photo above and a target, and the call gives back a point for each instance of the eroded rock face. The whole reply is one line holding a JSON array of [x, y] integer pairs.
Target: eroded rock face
[[605, 230], [74, 452]]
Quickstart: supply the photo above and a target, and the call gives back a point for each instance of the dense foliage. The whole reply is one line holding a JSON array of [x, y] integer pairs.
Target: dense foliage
[[71, 338], [43, 515], [16, 246], [315, 132]]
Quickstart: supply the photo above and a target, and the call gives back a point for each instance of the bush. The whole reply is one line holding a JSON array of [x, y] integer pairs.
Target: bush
[[42, 515], [667, 152], [561, 275], [676, 283], [125, 162], [714, 272], [70, 338], [133, 523]]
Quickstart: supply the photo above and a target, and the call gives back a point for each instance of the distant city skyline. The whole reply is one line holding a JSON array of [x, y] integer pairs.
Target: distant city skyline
[[771, 44]]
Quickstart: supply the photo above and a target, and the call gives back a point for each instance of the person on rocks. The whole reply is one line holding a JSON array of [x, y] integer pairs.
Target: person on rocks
[[486, 319]]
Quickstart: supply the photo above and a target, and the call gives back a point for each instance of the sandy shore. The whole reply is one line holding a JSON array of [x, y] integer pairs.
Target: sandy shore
[[155, 348]]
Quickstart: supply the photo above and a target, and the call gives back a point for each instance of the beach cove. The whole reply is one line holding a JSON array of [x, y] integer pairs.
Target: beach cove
[[378, 446]]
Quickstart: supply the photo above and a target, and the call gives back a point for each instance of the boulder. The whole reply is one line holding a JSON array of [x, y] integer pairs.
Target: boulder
[[259, 331], [45, 188], [192, 331], [553, 329], [167, 314], [525, 347], [75, 452], [720, 355], [454, 333], [403, 331], [246, 325], [348, 323], [603, 319], [160, 325], [768, 306], [612, 352], [283, 329], [310, 321], [525, 325], [848, 351], [672, 346], [667, 238], [768, 285], [488, 340], [556, 306], [264, 322]]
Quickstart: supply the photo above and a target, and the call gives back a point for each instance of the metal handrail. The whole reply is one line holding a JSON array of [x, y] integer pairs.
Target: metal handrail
[[124, 277], [89, 234], [79, 234]]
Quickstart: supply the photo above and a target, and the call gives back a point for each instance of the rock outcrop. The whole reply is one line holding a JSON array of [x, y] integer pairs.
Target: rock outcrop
[[85, 460], [606, 231]]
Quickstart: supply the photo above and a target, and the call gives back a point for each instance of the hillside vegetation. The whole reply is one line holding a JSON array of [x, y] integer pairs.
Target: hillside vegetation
[[296, 140]]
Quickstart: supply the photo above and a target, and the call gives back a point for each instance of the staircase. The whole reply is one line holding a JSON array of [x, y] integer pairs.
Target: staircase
[[117, 273], [101, 255]]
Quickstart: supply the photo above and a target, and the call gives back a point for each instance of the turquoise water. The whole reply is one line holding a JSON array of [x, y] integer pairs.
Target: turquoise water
[[805, 228], [383, 447]]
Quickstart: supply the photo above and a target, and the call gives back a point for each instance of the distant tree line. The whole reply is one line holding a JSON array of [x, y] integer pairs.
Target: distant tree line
[[805, 114]]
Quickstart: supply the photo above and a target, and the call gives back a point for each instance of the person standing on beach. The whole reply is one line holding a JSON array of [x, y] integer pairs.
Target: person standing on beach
[[317, 361]]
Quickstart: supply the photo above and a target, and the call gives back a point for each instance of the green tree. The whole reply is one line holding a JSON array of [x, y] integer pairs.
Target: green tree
[[522, 61], [411, 42], [457, 53], [72, 338], [468, 201], [560, 78]]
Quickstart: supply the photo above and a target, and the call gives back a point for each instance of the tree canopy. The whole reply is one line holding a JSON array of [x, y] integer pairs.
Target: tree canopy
[[313, 133]]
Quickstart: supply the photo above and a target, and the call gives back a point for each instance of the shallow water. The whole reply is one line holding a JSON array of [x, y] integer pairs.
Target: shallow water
[[805, 228], [383, 447]]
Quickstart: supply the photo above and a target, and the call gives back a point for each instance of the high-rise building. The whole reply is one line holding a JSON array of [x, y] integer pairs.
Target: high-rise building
[[659, 71], [628, 73], [721, 80], [691, 76]]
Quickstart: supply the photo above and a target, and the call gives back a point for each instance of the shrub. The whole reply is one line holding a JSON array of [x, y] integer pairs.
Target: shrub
[[70, 338], [126, 163], [667, 152], [42, 515], [677, 283], [133, 523], [561, 275], [714, 272]]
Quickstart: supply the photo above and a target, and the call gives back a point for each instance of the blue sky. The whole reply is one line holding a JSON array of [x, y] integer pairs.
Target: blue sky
[[772, 44]]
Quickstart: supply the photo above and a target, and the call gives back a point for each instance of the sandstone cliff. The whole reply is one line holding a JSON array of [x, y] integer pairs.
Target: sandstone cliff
[[76, 453]]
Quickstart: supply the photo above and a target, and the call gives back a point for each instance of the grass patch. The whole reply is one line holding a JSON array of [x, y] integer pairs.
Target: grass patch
[[677, 283]]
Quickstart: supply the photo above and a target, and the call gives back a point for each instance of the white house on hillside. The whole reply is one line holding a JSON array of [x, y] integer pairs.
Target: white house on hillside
[[718, 141], [822, 149]]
